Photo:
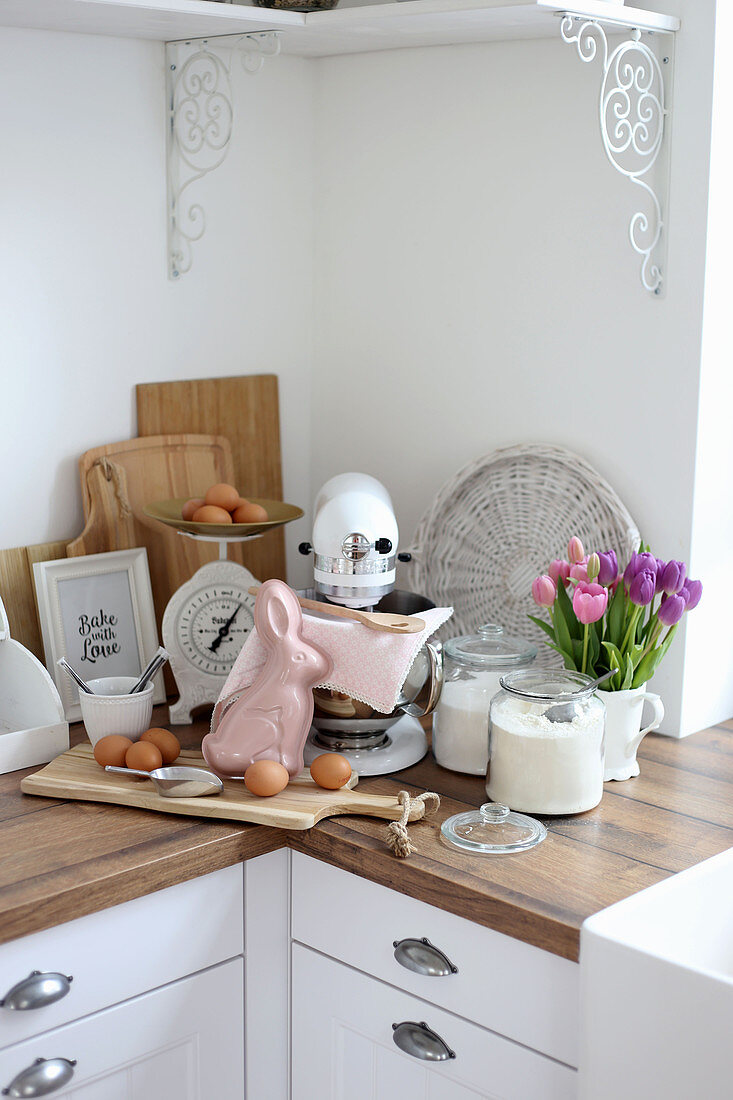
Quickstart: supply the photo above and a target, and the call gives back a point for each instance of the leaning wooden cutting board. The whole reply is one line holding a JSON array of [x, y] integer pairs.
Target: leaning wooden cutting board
[[76, 775], [119, 479], [245, 410]]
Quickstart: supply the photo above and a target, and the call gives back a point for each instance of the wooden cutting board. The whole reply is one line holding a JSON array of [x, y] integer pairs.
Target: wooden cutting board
[[119, 479], [245, 410], [76, 775]]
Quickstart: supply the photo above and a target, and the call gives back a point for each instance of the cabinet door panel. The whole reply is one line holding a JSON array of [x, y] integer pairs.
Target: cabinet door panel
[[103, 977], [183, 1042], [343, 1048]]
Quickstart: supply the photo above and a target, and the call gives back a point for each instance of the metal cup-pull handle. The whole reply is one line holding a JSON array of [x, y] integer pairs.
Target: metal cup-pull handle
[[423, 957], [45, 1076], [36, 991], [421, 1042]]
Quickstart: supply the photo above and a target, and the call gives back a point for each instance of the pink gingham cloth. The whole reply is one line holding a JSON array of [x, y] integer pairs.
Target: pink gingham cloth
[[368, 665]]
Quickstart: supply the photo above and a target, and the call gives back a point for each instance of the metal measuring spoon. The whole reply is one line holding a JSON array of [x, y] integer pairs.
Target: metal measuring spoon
[[565, 712], [177, 782]]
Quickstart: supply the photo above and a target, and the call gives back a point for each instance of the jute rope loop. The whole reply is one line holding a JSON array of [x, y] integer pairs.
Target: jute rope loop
[[397, 837]]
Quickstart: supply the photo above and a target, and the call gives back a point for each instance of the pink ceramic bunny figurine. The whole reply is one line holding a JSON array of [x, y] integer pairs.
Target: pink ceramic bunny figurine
[[271, 718]]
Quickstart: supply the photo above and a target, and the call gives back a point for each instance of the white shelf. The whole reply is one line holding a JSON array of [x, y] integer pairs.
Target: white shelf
[[342, 30]]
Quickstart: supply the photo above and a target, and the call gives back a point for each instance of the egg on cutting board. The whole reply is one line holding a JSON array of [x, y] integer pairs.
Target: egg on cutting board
[[266, 778], [331, 770]]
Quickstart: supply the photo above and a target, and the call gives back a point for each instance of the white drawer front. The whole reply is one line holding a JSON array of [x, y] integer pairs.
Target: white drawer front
[[123, 951], [184, 1042], [503, 984], [344, 1049]]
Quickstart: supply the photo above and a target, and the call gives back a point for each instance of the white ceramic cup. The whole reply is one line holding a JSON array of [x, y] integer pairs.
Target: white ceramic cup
[[113, 710]]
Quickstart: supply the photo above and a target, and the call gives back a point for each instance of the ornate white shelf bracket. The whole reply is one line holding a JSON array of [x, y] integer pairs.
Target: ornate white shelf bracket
[[632, 115], [200, 123]]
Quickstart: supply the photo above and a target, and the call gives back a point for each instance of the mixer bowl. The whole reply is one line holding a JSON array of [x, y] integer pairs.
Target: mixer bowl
[[336, 714]]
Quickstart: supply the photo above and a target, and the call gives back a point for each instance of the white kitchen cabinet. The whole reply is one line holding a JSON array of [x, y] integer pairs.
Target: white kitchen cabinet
[[343, 1046], [182, 1042], [129, 949]]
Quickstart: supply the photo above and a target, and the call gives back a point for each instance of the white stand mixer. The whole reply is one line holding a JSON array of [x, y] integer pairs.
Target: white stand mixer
[[355, 539]]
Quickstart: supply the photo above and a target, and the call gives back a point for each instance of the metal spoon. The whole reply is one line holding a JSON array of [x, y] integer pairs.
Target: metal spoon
[[64, 664], [177, 782], [565, 712]]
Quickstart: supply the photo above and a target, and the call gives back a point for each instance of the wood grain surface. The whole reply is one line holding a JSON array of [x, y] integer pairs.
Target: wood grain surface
[[245, 410], [75, 774], [19, 594], [119, 479], [64, 859]]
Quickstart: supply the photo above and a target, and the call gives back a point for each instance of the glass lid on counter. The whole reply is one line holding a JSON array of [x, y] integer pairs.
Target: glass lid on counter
[[492, 830], [490, 648]]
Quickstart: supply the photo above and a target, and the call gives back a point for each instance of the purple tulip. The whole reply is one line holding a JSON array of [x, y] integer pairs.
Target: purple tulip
[[691, 591], [640, 563], [671, 609], [661, 565], [672, 577], [642, 588], [544, 590], [608, 571], [589, 602]]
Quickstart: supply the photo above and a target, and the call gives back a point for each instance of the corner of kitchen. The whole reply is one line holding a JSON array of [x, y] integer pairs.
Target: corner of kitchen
[[365, 686]]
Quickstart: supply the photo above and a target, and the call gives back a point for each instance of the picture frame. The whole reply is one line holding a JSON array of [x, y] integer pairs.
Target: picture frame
[[97, 611]]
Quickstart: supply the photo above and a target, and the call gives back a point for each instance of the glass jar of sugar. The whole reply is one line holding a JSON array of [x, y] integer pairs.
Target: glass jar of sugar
[[472, 666], [546, 743]]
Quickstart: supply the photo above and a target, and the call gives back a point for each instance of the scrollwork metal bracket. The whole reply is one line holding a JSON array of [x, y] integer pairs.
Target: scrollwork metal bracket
[[633, 111], [200, 123]]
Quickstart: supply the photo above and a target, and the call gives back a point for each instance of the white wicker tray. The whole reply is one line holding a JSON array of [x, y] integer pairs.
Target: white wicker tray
[[499, 522]]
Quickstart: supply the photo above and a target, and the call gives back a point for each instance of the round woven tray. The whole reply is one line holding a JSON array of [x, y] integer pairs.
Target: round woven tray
[[499, 523]]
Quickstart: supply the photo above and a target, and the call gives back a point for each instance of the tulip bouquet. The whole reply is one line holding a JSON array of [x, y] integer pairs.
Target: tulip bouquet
[[603, 621]]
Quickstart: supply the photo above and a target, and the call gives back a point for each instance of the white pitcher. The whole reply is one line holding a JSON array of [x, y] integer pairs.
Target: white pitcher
[[623, 729]]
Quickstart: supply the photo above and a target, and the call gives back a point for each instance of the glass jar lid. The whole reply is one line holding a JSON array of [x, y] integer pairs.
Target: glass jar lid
[[490, 648], [548, 685], [492, 830]]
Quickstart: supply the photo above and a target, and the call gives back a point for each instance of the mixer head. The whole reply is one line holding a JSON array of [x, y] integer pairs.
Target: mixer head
[[355, 539]]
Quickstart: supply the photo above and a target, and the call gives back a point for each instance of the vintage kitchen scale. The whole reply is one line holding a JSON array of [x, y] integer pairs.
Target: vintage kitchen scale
[[355, 538], [208, 619]]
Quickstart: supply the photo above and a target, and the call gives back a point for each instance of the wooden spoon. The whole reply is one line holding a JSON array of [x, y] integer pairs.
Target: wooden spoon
[[386, 621]]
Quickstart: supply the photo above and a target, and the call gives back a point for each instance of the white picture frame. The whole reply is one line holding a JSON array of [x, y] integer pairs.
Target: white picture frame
[[97, 612]]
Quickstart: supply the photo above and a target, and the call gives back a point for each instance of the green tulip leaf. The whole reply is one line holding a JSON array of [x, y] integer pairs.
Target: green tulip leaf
[[650, 663], [543, 626], [616, 616], [562, 633], [629, 674], [565, 607]]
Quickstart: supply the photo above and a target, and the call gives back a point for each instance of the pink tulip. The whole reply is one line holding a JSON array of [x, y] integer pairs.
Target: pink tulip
[[544, 590], [576, 552], [559, 570], [589, 602], [579, 571]]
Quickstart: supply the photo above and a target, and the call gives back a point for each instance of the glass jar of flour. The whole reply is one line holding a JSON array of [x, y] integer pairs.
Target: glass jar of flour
[[472, 666], [546, 743]]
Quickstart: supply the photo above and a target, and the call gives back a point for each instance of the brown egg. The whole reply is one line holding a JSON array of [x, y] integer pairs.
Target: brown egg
[[210, 513], [143, 756], [165, 741], [111, 750], [247, 512], [223, 496], [191, 506], [331, 770], [266, 777]]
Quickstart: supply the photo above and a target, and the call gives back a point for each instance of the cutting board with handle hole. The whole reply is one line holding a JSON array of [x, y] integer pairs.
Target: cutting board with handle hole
[[76, 775], [119, 479]]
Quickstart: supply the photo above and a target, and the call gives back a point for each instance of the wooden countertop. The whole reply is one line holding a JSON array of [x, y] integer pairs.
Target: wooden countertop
[[61, 860]]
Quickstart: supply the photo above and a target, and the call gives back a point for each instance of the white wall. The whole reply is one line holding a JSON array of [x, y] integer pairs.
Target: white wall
[[476, 288], [86, 308]]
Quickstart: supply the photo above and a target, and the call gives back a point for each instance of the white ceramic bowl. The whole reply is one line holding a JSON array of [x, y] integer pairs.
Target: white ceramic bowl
[[113, 710]]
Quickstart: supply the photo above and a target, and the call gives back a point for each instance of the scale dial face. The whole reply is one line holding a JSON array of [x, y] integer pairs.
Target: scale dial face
[[213, 625]]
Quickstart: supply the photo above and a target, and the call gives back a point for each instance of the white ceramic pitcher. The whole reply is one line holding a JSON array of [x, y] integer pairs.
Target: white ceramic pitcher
[[623, 728]]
